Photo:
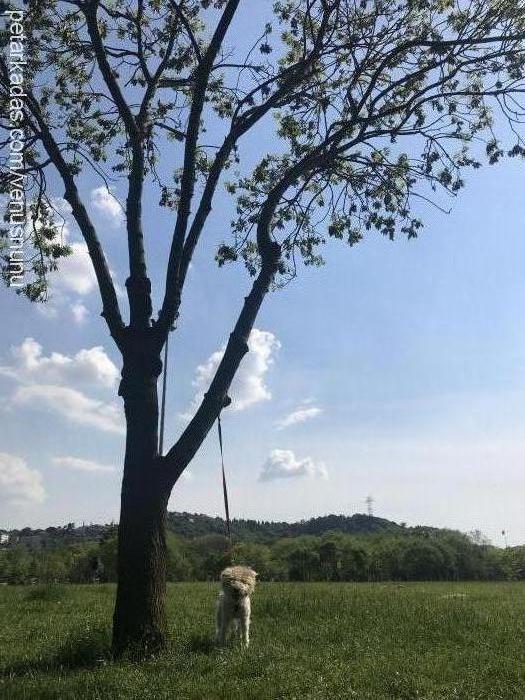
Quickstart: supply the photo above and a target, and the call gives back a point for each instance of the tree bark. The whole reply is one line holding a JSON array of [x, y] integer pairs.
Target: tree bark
[[139, 621]]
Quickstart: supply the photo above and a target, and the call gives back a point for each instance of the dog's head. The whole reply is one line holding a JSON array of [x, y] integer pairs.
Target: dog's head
[[238, 580]]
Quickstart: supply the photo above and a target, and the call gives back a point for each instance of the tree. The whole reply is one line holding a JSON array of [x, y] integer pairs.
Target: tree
[[259, 557], [422, 561], [354, 562], [376, 104], [329, 559]]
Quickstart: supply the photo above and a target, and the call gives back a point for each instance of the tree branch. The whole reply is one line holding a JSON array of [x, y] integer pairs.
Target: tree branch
[[180, 14], [138, 285], [185, 448], [90, 12], [294, 75], [111, 310], [180, 455], [154, 79], [202, 75]]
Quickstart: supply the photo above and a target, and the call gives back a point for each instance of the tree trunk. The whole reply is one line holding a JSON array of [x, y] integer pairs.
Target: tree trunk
[[139, 621]]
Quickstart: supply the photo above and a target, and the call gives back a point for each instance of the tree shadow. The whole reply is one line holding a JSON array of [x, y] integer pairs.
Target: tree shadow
[[88, 648], [46, 593], [202, 644]]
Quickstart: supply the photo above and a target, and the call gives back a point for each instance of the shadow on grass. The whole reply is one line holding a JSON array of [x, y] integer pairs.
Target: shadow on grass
[[201, 644], [47, 593], [86, 648]]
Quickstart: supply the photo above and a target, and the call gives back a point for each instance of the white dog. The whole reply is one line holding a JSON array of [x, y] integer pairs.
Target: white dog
[[233, 605]]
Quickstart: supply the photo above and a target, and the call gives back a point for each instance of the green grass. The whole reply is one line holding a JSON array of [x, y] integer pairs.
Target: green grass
[[309, 641]]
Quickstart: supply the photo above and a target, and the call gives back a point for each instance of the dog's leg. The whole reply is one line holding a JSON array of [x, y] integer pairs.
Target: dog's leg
[[245, 631], [235, 629], [245, 624], [220, 631]]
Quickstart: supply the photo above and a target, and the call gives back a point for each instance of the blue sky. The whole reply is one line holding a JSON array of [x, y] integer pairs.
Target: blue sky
[[395, 370], [411, 352]]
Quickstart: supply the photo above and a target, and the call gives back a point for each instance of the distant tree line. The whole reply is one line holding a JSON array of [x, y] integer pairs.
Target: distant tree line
[[196, 525], [417, 555]]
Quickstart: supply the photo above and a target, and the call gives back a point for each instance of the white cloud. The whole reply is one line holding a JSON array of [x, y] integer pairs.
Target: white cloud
[[300, 415], [71, 404], [83, 465], [79, 312], [105, 203], [248, 386], [88, 366], [49, 383], [19, 485], [283, 464], [49, 309], [62, 206], [75, 272], [74, 279], [75, 275]]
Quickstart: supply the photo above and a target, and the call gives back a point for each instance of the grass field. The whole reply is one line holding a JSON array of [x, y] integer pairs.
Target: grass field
[[315, 641]]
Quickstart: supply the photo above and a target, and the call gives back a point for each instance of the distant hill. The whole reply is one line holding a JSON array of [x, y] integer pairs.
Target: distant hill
[[195, 525]]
